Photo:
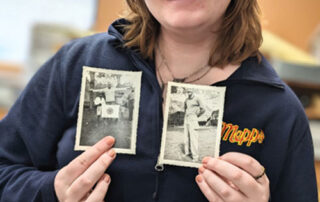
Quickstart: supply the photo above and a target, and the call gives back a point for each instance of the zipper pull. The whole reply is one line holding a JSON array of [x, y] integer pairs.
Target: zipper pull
[[159, 167]]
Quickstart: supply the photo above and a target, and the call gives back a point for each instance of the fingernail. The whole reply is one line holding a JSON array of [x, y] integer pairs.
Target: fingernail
[[201, 169], [107, 178], [205, 160], [110, 140], [199, 178], [112, 153]]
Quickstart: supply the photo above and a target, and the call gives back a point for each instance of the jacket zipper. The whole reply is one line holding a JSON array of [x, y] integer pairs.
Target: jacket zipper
[[158, 167]]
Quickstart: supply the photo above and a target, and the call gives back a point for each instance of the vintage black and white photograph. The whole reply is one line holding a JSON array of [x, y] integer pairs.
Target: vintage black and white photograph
[[192, 124], [109, 105]]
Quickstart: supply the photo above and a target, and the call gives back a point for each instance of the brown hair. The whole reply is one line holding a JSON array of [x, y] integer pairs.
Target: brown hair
[[239, 36]]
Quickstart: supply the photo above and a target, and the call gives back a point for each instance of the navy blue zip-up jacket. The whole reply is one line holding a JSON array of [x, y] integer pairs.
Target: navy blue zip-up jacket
[[262, 118]]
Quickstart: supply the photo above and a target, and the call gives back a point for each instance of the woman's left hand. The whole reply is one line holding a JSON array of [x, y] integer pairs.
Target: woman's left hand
[[233, 177]]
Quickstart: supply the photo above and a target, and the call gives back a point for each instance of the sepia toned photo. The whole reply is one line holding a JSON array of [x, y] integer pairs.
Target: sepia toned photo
[[192, 124], [109, 105]]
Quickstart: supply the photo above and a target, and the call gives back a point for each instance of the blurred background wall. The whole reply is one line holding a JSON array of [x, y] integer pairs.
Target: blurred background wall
[[295, 21], [36, 29]]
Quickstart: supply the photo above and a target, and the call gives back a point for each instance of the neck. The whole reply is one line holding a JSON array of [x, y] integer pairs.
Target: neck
[[187, 51]]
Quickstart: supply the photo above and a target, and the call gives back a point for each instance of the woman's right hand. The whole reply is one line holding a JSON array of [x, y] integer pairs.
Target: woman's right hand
[[75, 181]]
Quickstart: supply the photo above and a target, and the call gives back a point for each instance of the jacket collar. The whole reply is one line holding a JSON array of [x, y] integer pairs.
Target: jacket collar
[[259, 72], [251, 70], [116, 29]]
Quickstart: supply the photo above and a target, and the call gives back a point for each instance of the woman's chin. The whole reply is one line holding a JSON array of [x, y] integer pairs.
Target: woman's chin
[[184, 23]]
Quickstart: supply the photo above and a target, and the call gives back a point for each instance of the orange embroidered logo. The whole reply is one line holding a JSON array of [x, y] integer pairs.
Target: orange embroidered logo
[[232, 134]]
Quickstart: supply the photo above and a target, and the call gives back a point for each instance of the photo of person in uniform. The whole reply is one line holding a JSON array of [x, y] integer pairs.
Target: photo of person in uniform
[[186, 137], [193, 107]]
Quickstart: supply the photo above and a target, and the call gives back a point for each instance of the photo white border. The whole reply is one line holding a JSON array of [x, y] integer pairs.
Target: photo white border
[[221, 90], [135, 117]]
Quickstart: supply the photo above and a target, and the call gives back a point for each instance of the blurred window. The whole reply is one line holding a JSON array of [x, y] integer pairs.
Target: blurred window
[[17, 18]]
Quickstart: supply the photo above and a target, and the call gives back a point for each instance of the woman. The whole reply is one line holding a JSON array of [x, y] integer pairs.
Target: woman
[[200, 42]]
